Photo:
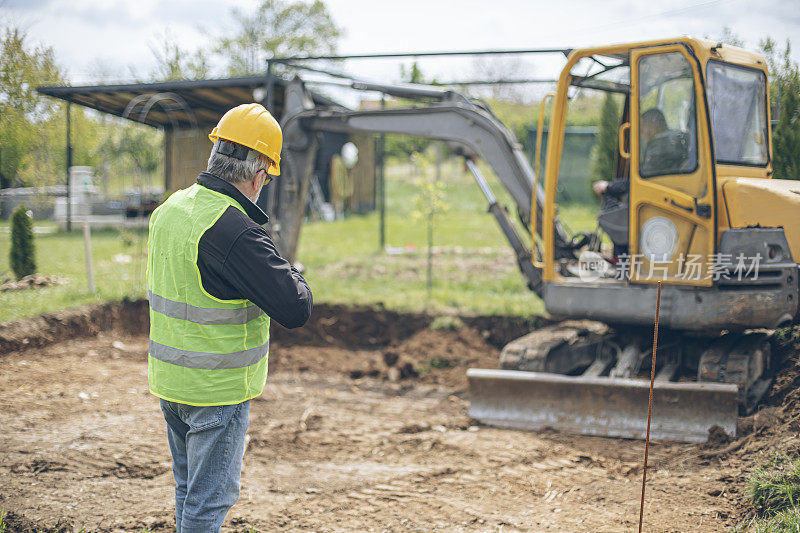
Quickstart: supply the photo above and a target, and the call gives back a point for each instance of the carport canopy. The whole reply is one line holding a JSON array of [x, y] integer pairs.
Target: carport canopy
[[176, 104]]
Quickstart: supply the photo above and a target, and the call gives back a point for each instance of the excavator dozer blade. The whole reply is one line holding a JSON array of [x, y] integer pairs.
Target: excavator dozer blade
[[610, 407]]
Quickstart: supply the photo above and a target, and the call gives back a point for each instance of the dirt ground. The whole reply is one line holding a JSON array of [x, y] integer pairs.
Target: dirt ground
[[363, 426]]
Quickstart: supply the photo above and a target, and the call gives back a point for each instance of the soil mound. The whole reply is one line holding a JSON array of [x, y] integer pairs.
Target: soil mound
[[442, 357], [352, 327], [429, 356], [785, 391], [716, 438], [34, 281], [376, 327], [87, 321]]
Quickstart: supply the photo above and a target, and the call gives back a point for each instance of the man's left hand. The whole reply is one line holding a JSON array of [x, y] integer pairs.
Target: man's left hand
[[600, 187]]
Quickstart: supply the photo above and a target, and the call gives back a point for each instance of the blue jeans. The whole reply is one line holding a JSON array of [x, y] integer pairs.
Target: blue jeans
[[207, 445]]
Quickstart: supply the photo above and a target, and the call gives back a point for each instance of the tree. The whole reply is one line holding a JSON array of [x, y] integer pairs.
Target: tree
[[176, 63], [138, 144], [730, 37], [278, 28], [497, 68], [429, 204], [605, 151], [414, 73], [403, 146], [22, 259], [22, 111], [785, 97]]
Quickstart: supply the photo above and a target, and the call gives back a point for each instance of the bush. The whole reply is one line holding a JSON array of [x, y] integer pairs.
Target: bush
[[22, 259]]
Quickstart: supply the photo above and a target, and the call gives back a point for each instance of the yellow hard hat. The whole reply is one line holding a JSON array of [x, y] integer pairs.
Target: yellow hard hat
[[251, 125]]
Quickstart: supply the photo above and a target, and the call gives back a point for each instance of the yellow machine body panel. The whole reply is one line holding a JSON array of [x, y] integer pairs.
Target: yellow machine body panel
[[756, 202]]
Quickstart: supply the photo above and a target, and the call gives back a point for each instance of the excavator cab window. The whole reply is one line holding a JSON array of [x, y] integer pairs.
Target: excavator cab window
[[737, 97], [667, 123]]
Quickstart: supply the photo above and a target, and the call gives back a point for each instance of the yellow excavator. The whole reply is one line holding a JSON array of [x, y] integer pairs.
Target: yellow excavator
[[698, 211]]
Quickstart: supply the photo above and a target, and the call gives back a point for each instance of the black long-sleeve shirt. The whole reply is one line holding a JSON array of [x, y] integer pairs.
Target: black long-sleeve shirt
[[237, 259], [618, 187]]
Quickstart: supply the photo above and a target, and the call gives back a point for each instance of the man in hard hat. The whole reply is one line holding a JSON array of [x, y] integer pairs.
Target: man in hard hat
[[214, 280]]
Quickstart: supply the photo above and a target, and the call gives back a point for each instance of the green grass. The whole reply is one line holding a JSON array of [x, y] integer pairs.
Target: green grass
[[446, 323], [480, 278], [787, 521], [474, 270], [773, 489], [62, 254]]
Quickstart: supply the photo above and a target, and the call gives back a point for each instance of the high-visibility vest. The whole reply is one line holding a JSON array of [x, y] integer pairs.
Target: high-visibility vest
[[203, 350]]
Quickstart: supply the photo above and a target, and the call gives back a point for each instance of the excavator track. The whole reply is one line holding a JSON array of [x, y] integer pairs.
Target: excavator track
[[584, 377]]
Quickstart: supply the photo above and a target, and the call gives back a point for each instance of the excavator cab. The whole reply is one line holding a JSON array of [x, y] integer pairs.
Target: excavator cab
[[672, 179], [665, 212], [681, 99]]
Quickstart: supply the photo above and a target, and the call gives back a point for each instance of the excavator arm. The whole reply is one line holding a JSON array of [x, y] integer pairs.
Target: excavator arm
[[451, 117]]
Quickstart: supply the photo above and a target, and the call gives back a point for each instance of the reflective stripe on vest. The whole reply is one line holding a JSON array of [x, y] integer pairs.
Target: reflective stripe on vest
[[203, 315], [208, 361]]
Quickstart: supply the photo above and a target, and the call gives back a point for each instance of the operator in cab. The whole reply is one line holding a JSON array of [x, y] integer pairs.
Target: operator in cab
[[614, 211]]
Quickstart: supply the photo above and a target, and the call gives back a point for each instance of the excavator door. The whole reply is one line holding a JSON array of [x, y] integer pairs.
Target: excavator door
[[672, 190]]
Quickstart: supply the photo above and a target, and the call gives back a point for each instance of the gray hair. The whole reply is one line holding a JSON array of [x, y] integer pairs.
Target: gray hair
[[236, 170]]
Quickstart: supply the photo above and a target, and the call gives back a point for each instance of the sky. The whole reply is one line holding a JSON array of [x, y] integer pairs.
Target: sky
[[112, 39]]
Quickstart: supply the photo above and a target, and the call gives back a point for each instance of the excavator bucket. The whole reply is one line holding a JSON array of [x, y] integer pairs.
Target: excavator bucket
[[602, 406]]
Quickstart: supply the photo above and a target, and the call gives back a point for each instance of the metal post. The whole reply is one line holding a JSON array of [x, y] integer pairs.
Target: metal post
[[87, 243], [382, 182], [438, 147], [650, 404], [2, 177], [169, 140], [69, 164], [270, 84], [429, 277]]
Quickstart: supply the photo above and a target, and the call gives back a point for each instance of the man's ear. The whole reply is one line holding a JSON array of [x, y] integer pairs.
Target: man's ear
[[256, 177]]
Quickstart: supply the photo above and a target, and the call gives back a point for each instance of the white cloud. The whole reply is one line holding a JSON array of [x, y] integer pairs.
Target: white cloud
[[119, 33]]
